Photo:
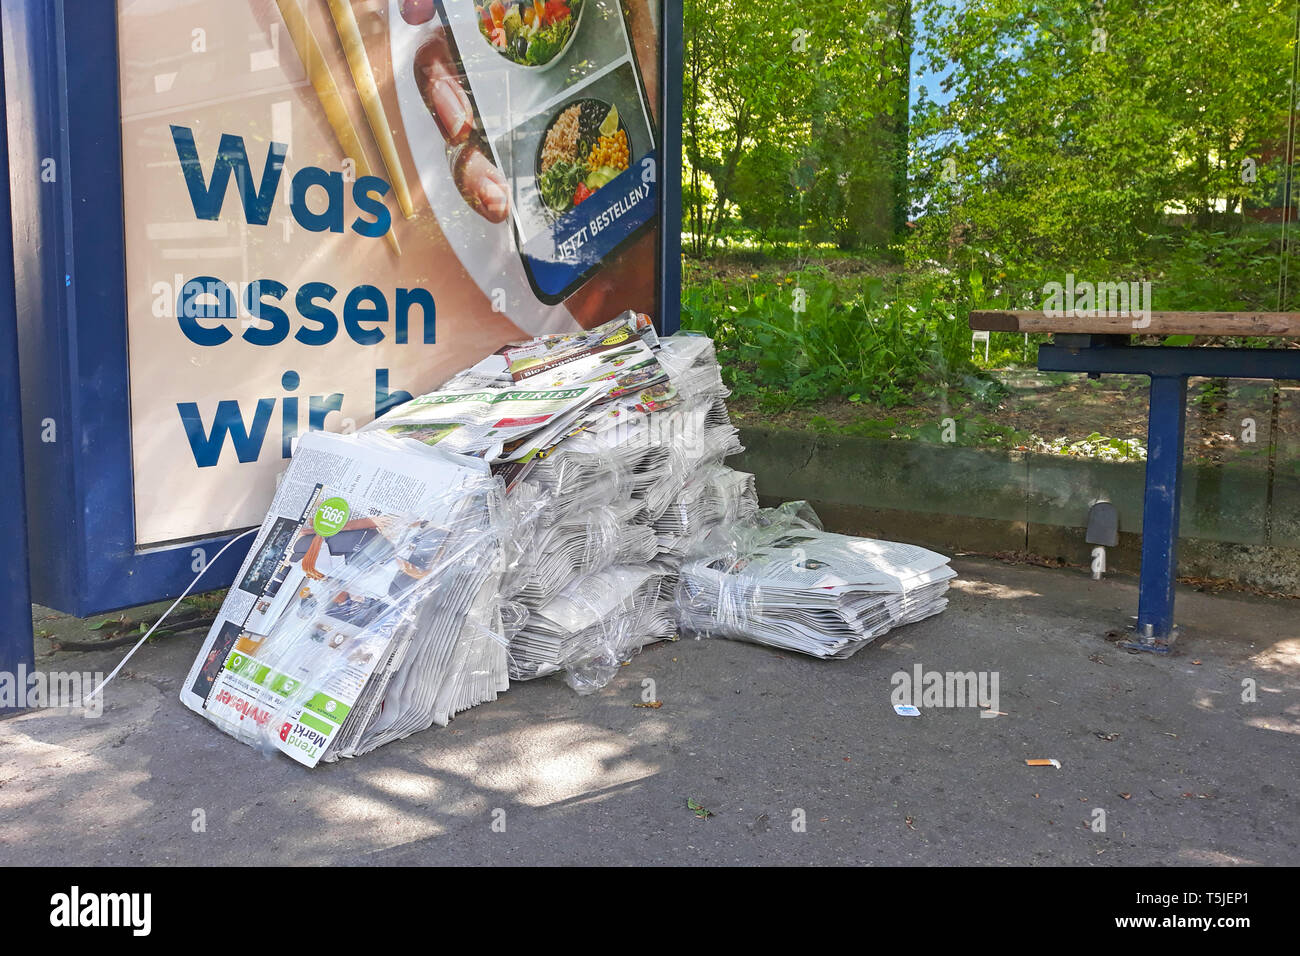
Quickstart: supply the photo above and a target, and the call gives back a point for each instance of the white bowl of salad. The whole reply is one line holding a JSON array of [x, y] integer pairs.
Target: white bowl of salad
[[530, 33]]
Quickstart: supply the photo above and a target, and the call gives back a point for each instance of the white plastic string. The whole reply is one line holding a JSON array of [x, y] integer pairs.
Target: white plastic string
[[184, 594]]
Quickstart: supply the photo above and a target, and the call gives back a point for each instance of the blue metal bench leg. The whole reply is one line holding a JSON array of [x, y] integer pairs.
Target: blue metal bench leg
[[1166, 427]]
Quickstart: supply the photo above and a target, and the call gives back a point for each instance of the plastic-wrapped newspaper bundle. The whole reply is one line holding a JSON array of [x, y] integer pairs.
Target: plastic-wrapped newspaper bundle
[[595, 539], [591, 596], [526, 518], [616, 480], [595, 624], [698, 434], [779, 579], [571, 480], [368, 607], [656, 455], [717, 495]]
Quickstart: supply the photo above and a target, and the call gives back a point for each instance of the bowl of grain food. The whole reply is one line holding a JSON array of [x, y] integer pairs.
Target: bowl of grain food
[[586, 146]]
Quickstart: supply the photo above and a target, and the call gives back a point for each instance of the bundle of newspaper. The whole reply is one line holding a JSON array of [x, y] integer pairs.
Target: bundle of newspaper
[[594, 439], [595, 624], [777, 578], [368, 607], [526, 518], [658, 470], [581, 544], [716, 495]]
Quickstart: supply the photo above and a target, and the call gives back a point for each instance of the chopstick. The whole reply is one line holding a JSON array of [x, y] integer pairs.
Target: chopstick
[[354, 48], [322, 81]]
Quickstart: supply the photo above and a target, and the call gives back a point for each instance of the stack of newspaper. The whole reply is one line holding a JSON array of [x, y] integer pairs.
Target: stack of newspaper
[[366, 609], [716, 495], [529, 517], [778, 580], [593, 625], [654, 465], [577, 545]]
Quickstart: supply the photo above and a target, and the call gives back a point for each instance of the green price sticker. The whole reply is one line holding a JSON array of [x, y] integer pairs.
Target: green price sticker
[[331, 515]]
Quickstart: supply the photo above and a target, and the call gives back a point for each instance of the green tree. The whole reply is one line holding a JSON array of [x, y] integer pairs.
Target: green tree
[[1075, 129], [796, 114]]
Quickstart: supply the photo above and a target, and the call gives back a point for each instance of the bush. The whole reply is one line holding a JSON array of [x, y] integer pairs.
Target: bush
[[798, 339]]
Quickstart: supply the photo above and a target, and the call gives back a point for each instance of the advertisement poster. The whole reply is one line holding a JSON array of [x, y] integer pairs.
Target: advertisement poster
[[333, 205]]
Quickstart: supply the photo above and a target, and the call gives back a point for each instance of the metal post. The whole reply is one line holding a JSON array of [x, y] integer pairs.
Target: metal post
[[1169, 368], [1166, 426], [16, 651], [670, 168]]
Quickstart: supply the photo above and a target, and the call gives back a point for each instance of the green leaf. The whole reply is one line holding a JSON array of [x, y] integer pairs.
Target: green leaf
[[698, 809]]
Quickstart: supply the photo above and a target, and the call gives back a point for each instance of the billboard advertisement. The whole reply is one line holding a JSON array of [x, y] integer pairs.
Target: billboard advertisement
[[332, 205]]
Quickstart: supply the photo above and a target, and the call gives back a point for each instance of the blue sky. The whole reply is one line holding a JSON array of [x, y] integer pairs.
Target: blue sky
[[927, 79]]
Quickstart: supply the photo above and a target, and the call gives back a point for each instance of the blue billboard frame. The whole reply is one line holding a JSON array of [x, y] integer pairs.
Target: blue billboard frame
[[671, 63], [16, 650], [70, 283]]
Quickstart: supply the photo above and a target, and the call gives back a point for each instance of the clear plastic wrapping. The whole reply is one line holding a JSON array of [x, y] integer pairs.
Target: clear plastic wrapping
[[777, 578], [587, 542], [594, 625], [716, 495]]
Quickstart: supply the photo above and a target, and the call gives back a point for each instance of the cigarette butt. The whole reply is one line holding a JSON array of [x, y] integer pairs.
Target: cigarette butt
[[1044, 762], [322, 81], [354, 48]]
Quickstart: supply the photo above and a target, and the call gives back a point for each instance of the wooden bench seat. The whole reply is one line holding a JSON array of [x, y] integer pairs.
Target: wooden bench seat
[[1270, 324]]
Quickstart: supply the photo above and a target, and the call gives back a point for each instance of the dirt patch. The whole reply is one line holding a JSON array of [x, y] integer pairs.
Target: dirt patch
[[1226, 420]]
